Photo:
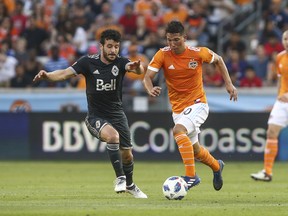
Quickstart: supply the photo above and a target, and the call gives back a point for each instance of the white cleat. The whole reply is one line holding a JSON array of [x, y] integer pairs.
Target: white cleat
[[120, 184], [136, 192], [261, 176]]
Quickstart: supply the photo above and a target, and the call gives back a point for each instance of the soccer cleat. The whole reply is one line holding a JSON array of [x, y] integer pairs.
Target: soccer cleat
[[217, 180], [261, 176], [136, 192], [191, 181], [120, 184]]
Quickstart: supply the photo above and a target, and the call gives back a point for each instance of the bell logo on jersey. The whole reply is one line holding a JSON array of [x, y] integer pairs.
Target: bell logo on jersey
[[101, 86], [192, 64]]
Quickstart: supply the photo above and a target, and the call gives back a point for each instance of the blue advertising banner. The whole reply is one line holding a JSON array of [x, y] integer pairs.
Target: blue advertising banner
[[230, 136], [14, 136], [64, 136]]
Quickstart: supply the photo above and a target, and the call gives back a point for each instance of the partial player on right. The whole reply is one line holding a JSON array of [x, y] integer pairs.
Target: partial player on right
[[278, 118]]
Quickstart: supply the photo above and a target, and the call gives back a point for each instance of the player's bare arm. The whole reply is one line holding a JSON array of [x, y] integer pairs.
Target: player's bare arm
[[57, 75], [153, 91], [135, 67], [231, 89]]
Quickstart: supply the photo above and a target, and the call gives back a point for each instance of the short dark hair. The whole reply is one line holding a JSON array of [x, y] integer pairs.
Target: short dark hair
[[175, 27], [110, 34]]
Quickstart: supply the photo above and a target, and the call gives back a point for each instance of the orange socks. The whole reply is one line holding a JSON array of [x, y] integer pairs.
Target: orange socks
[[271, 150], [205, 157], [187, 153]]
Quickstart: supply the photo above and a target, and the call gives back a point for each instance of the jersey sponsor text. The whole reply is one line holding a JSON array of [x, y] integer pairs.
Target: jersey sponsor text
[[101, 86]]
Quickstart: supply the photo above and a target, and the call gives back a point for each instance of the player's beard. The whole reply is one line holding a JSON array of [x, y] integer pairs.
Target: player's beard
[[109, 57]]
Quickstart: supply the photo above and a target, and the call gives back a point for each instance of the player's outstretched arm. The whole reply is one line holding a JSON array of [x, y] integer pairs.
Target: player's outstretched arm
[[135, 67], [153, 91], [231, 89], [57, 75]]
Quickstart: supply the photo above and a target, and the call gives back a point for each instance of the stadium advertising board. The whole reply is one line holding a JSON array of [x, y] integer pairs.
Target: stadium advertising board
[[14, 139], [230, 136], [63, 136]]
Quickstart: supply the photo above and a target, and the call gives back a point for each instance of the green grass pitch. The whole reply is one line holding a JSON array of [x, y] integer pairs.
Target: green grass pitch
[[86, 189]]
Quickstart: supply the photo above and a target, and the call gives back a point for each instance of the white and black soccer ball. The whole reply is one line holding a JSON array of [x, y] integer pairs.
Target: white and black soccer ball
[[175, 188]]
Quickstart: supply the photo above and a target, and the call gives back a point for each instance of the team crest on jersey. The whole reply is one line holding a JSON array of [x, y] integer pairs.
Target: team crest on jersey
[[115, 70], [97, 124], [193, 64]]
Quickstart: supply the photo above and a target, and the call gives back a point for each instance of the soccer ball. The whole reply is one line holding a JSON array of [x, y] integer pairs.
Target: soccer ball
[[174, 188]]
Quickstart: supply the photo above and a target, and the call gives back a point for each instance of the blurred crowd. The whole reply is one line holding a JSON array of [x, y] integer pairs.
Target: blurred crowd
[[52, 34]]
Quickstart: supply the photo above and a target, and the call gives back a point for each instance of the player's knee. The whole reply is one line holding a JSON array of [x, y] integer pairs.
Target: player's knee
[[196, 148], [178, 128], [127, 157], [113, 137], [272, 133]]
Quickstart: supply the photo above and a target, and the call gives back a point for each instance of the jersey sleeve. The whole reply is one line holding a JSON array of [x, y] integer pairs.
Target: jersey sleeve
[[124, 62], [207, 55], [157, 61], [81, 65]]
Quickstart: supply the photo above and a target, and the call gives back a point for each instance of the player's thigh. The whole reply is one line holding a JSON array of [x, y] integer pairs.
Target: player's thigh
[[279, 114], [192, 117], [95, 125], [122, 127]]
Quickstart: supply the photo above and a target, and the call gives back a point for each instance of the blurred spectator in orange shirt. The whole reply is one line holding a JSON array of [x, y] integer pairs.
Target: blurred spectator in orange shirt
[[39, 14], [243, 2], [108, 24], [177, 11], [143, 7], [10, 5]]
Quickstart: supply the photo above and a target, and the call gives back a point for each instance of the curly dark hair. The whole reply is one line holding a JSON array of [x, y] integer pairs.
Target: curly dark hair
[[110, 34]]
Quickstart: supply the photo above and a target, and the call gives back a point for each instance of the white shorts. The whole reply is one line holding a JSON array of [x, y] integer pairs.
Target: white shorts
[[279, 114], [192, 118]]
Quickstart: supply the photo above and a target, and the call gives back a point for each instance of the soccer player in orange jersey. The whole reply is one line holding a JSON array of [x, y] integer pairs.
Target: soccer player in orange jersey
[[182, 66], [278, 117]]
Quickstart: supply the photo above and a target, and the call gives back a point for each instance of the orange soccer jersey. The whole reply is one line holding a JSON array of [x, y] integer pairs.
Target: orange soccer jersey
[[282, 68], [183, 74]]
